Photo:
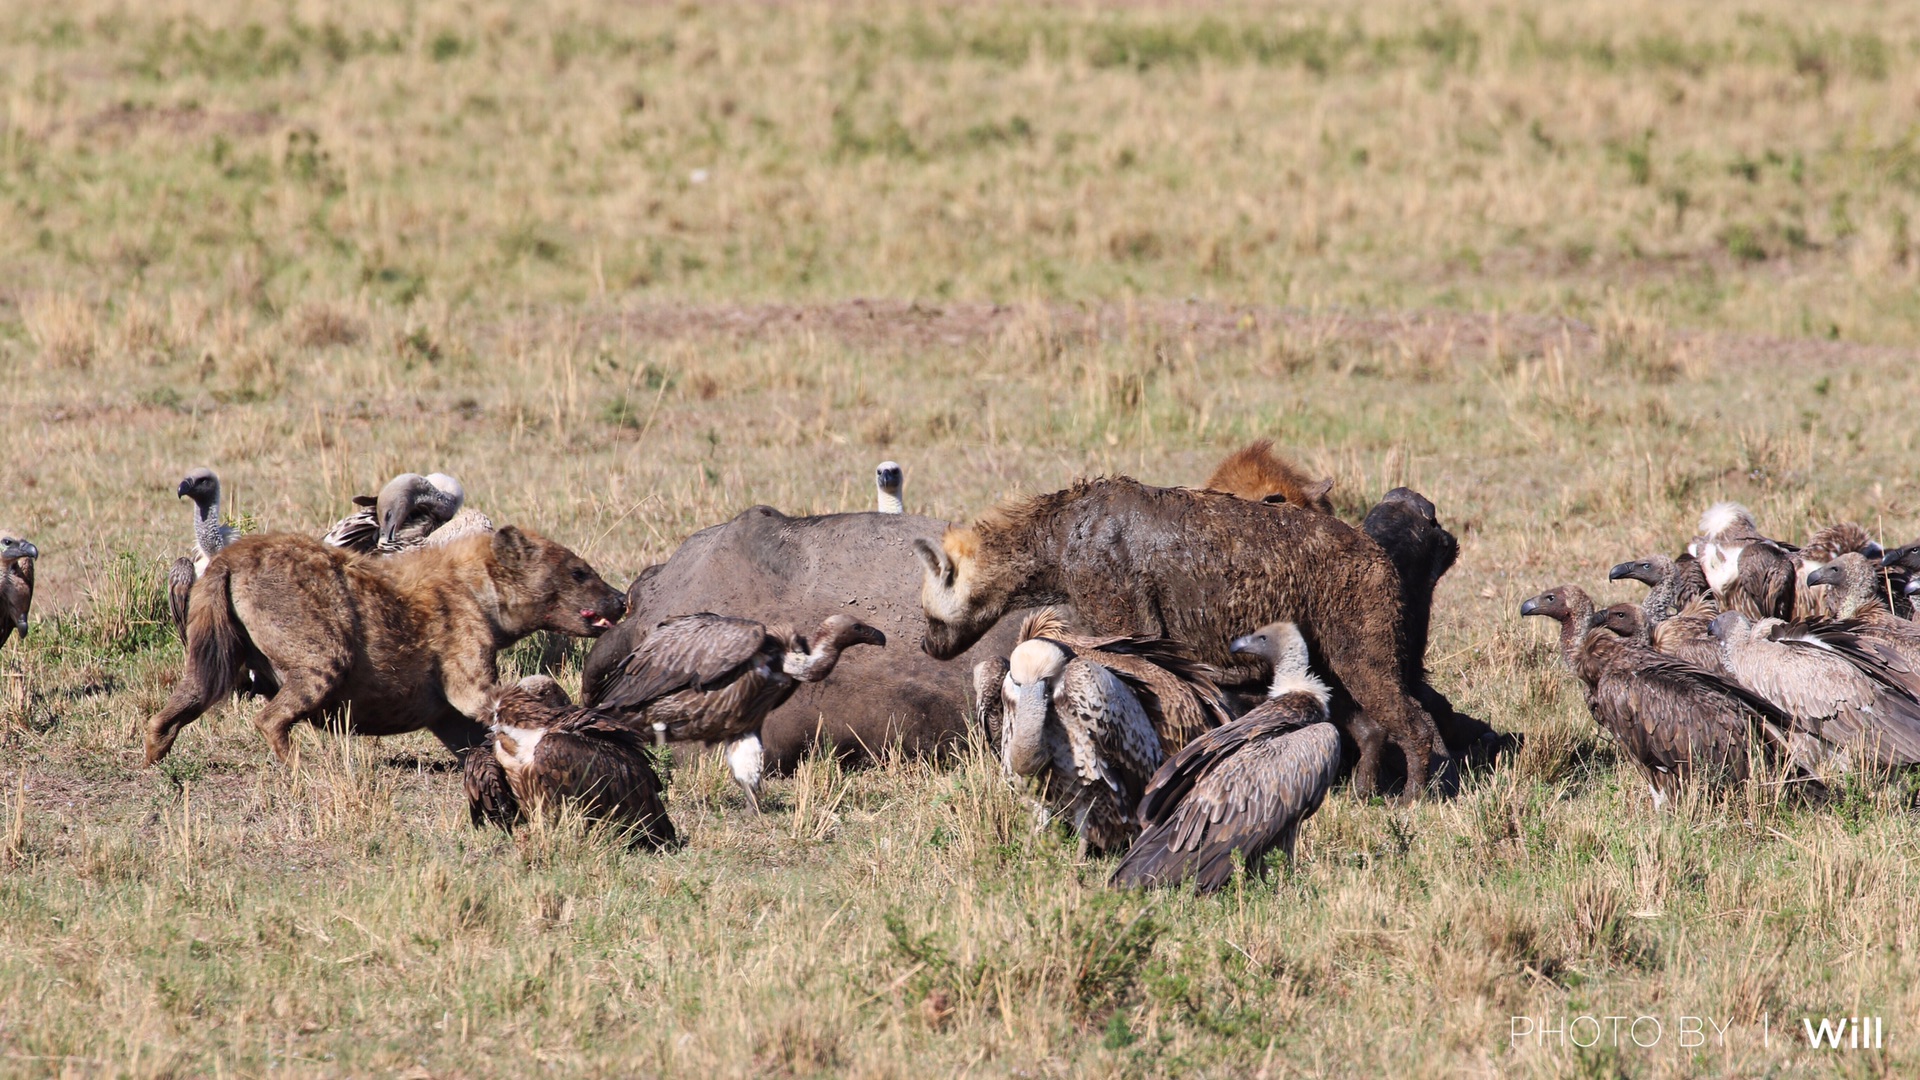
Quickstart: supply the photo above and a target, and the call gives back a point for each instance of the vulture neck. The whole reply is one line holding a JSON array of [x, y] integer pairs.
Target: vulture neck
[[207, 532], [1573, 631], [810, 665], [890, 502]]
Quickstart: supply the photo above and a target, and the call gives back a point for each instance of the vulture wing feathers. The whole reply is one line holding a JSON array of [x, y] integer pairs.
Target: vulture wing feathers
[[180, 578], [687, 652], [358, 531], [490, 799]]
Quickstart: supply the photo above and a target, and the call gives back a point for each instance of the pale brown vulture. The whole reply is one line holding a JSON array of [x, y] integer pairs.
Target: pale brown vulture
[[1246, 786], [544, 753], [210, 537], [711, 678], [1074, 725], [1846, 713], [1673, 584], [411, 511], [1178, 693], [890, 480], [1674, 720], [1572, 608], [1748, 572], [16, 585], [1866, 631]]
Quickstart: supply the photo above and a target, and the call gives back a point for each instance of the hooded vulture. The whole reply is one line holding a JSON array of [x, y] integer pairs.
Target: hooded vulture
[[890, 480], [543, 753], [712, 678], [1846, 713], [1246, 786], [1177, 692], [1748, 572], [16, 585], [1676, 721], [411, 511], [1074, 724], [210, 537]]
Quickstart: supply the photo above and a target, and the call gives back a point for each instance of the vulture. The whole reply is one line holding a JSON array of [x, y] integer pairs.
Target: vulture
[[1748, 572], [712, 678], [410, 512], [1810, 599], [542, 751], [1178, 693], [891, 480], [1846, 712], [1244, 787], [1866, 630], [1903, 567], [1675, 720], [1570, 606], [16, 585], [210, 537], [1677, 610], [1072, 722]]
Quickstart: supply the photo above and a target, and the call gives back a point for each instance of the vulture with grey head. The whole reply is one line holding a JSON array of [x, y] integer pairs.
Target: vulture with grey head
[[712, 678], [1846, 713], [1244, 787], [1811, 599], [1903, 569], [890, 481], [1179, 694], [16, 585], [1748, 572], [1865, 630], [1678, 608], [411, 511], [543, 753], [210, 537], [1572, 608], [1073, 724]]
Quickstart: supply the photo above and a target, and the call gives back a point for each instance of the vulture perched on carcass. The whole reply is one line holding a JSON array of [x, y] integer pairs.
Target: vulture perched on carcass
[[16, 585], [1245, 787], [1072, 723], [890, 481], [411, 511], [1178, 693], [1748, 572], [210, 537], [1847, 711], [543, 753], [712, 678], [1675, 720]]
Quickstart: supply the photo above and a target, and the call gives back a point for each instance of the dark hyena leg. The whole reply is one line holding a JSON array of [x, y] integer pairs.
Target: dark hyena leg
[[1365, 661], [1371, 739], [300, 699], [457, 732], [190, 698]]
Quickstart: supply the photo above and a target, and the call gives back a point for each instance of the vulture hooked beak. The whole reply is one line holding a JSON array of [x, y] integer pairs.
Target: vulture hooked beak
[[1900, 556], [185, 486], [868, 635], [1873, 550], [1597, 619], [1827, 575], [1633, 571], [19, 549], [1530, 607], [1244, 644]]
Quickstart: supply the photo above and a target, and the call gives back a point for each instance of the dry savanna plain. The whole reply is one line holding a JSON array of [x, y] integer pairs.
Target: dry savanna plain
[[1574, 270]]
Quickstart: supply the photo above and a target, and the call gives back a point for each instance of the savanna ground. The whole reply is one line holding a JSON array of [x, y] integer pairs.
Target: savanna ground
[[627, 269]]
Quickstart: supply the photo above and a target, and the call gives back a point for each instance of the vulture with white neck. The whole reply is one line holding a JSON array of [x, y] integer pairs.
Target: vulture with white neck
[[889, 481], [1748, 572], [210, 537], [411, 511]]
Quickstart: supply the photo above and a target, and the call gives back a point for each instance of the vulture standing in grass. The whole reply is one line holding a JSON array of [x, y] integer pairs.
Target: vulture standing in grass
[[1866, 631], [1178, 693], [890, 480], [1678, 608], [16, 585], [543, 752], [1810, 599], [1245, 787], [711, 678], [210, 537], [1569, 606], [1676, 721], [1845, 713], [1748, 572], [1073, 723], [411, 511]]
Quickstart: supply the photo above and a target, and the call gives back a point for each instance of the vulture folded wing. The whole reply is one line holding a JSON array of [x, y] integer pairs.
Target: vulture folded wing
[[1673, 723], [1177, 775], [1180, 705], [358, 531], [490, 798], [1109, 734], [989, 707], [604, 766], [689, 652], [1835, 698], [180, 577]]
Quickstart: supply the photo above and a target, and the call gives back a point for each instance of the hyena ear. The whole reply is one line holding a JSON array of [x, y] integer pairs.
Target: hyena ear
[[934, 558], [511, 546], [1319, 488]]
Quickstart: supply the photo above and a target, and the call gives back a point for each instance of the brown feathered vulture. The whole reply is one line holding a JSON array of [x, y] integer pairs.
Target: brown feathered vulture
[[1810, 598], [1245, 787], [1847, 711], [210, 537], [545, 753], [1748, 572], [713, 678], [1074, 725], [1572, 608], [1179, 694], [1865, 630], [1673, 583], [1674, 720], [411, 511], [16, 585]]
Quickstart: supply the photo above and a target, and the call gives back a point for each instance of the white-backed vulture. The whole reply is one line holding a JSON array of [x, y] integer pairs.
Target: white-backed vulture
[[1179, 694], [1821, 549], [210, 537], [1572, 608], [1246, 786], [1845, 714], [1073, 724], [890, 481], [1672, 584], [16, 585], [1865, 629], [411, 511], [1748, 572], [1676, 721], [712, 678], [543, 753]]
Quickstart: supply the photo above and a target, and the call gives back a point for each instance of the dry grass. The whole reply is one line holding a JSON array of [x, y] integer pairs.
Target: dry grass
[[317, 246]]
